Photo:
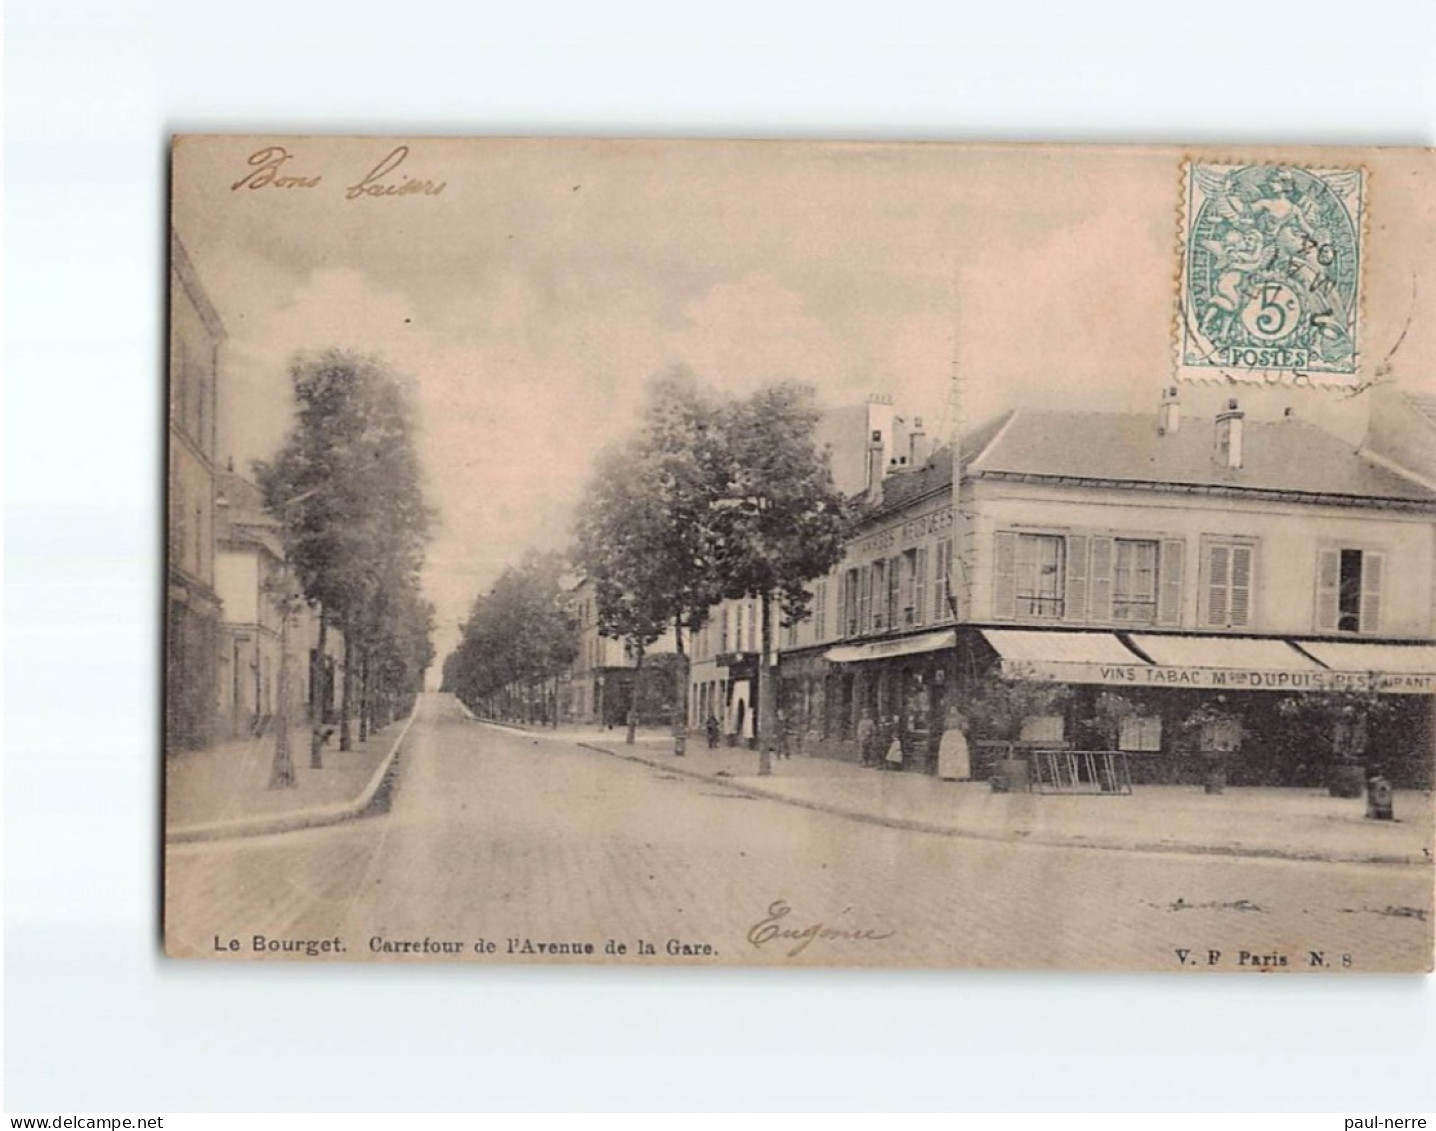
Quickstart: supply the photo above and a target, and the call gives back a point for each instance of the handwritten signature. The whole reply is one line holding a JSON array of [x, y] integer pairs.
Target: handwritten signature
[[771, 928], [271, 168]]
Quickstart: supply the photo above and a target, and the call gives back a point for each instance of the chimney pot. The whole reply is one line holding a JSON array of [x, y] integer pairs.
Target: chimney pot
[[1169, 414], [1230, 435]]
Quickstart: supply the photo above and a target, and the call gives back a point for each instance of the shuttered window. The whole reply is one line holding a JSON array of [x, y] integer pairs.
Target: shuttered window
[[919, 584], [1228, 585], [1086, 578], [941, 582], [1348, 590]]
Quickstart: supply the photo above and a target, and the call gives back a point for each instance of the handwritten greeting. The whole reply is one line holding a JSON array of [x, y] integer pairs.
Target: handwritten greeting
[[275, 167]]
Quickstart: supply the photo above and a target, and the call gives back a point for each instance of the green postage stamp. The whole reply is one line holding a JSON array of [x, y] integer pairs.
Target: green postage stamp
[[1272, 269]]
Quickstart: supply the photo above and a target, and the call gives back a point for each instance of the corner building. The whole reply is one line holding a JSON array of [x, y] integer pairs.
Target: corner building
[[1176, 564]]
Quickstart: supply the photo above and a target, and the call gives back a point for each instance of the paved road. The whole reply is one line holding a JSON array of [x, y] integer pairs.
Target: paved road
[[497, 836]]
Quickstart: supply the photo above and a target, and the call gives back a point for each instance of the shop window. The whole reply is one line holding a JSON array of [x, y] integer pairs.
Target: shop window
[[1140, 732], [1227, 588], [1348, 595], [1047, 729]]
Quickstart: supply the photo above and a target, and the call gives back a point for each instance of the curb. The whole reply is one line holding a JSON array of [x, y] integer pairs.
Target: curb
[[317, 817], [1048, 841]]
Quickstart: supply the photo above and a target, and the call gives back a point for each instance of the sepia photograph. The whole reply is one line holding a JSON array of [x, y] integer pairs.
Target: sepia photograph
[[800, 554]]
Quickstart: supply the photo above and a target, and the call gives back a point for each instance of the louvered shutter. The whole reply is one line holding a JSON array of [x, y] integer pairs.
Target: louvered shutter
[[1004, 577], [1099, 581], [1373, 570], [919, 585], [842, 604], [1074, 600], [864, 598], [1240, 607], [1169, 583], [1328, 590], [1218, 583]]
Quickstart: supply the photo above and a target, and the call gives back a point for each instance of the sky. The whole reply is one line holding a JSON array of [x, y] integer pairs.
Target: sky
[[531, 298]]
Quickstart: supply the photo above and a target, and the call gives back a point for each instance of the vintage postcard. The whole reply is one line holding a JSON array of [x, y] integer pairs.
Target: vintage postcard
[[801, 554]]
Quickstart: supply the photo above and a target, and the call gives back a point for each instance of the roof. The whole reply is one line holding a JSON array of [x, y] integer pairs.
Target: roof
[[1287, 456], [904, 487]]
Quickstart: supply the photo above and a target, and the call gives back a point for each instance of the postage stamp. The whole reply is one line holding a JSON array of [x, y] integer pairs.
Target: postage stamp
[[1272, 268]]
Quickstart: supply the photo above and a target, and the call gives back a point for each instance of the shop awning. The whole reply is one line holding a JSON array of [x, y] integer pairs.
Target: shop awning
[[1058, 647], [1224, 652], [1398, 668], [888, 649]]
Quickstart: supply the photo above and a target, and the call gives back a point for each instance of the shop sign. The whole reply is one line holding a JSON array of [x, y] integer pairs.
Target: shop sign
[[1223, 679]]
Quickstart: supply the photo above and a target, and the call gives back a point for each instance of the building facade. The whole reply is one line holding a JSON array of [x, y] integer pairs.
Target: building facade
[[605, 681], [192, 605], [1160, 575]]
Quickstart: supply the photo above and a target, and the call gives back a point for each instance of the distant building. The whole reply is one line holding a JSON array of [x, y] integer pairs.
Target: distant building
[[192, 607], [604, 681]]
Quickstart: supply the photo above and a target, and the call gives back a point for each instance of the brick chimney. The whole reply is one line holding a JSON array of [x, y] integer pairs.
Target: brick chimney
[[1230, 424]]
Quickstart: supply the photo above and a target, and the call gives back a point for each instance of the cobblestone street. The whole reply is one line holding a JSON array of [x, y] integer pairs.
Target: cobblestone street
[[496, 835]]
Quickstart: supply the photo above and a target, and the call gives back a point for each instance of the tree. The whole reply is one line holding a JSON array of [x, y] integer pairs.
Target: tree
[[646, 534], [346, 489], [780, 521], [519, 633]]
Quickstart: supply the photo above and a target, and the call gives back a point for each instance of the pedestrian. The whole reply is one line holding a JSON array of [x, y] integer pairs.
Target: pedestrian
[[893, 757], [712, 728], [954, 761], [866, 735]]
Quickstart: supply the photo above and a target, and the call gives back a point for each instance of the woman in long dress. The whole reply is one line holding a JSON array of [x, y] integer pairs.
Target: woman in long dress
[[954, 762]]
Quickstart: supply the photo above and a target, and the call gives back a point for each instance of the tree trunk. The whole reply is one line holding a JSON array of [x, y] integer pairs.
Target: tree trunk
[[281, 772], [366, 705], [318, 694], [633, 699], [767, 701], [346, 702], [680, 699]]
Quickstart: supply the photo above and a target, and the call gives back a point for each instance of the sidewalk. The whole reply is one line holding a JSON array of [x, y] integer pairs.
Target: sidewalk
[[1292, 824], [224, 790]]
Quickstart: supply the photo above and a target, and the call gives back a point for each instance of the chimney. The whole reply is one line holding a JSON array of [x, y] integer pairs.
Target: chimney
[[917, 444], [1169, 415], [1229, 435], [875, 467]]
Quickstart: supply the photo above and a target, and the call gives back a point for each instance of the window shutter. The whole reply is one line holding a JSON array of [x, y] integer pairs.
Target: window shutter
[[1169, 583], [1218, 581], [1075, 598], [864, 598], [842, 604], [1004, 577], [1372, 574], [919, 585], [1099, 581], [1328, 590], [1241, 599]]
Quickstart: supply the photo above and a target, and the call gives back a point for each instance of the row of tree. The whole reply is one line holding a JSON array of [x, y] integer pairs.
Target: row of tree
[[346, 490], [519, 635], [710, 497]]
